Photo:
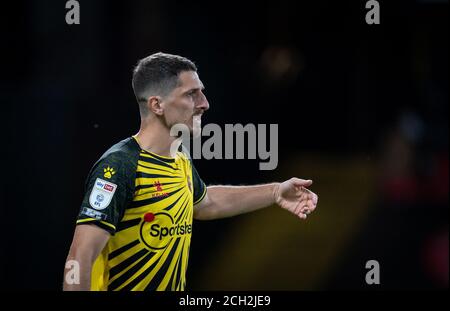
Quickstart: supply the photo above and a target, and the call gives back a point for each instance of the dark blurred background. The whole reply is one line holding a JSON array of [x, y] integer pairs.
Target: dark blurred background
[[362, 110]]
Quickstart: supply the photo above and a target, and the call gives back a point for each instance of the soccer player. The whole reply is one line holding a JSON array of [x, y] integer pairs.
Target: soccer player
[[135, 223]]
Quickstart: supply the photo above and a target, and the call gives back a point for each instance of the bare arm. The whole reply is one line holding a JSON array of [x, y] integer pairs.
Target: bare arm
[[88, 242], [227, 201]]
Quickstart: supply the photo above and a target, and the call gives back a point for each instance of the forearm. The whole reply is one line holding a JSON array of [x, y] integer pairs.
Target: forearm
[[227, 201], [77, 273], [88, 242]]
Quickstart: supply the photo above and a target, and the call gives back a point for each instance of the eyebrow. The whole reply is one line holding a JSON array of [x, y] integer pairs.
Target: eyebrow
[[194, 89]]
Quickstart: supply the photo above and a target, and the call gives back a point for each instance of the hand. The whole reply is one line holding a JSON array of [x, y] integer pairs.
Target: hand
[[294, 197]]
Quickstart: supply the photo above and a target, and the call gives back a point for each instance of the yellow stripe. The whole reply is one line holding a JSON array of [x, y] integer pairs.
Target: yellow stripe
[[171, 270], [80, 221], [155, 169]]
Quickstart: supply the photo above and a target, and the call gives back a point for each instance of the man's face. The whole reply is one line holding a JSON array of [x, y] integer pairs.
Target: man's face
[[186, 103]]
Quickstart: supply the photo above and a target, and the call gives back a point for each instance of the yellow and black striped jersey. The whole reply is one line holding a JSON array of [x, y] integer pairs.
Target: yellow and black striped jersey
[[146, 202]]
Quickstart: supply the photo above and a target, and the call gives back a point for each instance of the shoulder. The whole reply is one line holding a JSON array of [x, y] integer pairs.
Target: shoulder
[[123, 155], [122, 150]]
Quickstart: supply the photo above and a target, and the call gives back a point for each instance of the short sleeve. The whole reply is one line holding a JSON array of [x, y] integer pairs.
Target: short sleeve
[[108, 192], [199, 186]]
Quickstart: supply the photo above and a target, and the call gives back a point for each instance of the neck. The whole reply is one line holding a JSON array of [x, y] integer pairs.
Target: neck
[[153, 136]]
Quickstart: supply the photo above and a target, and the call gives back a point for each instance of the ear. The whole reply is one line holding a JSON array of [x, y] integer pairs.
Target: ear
[[154, 105]]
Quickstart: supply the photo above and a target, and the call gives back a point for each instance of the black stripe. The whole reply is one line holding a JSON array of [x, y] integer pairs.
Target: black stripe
[[179, 275], [96, 222], [142, 276], [182, 212], [156, 162], [168, 208], [153, 285], [158, 157], [183, 217], [126, 263], [145, 175], [128, 224], [201, 197], [123, 278], [152, 168], [176, 270], [181, 206], [135, 204], [123, 249]]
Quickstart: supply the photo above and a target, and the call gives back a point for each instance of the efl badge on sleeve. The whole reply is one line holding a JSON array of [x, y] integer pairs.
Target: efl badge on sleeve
[[101, 194]]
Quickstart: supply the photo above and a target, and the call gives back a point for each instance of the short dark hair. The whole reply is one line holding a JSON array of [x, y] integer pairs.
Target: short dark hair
[[157, 75]]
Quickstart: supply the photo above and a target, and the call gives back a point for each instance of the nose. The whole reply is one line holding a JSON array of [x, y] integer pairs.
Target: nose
[[203, 103]]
